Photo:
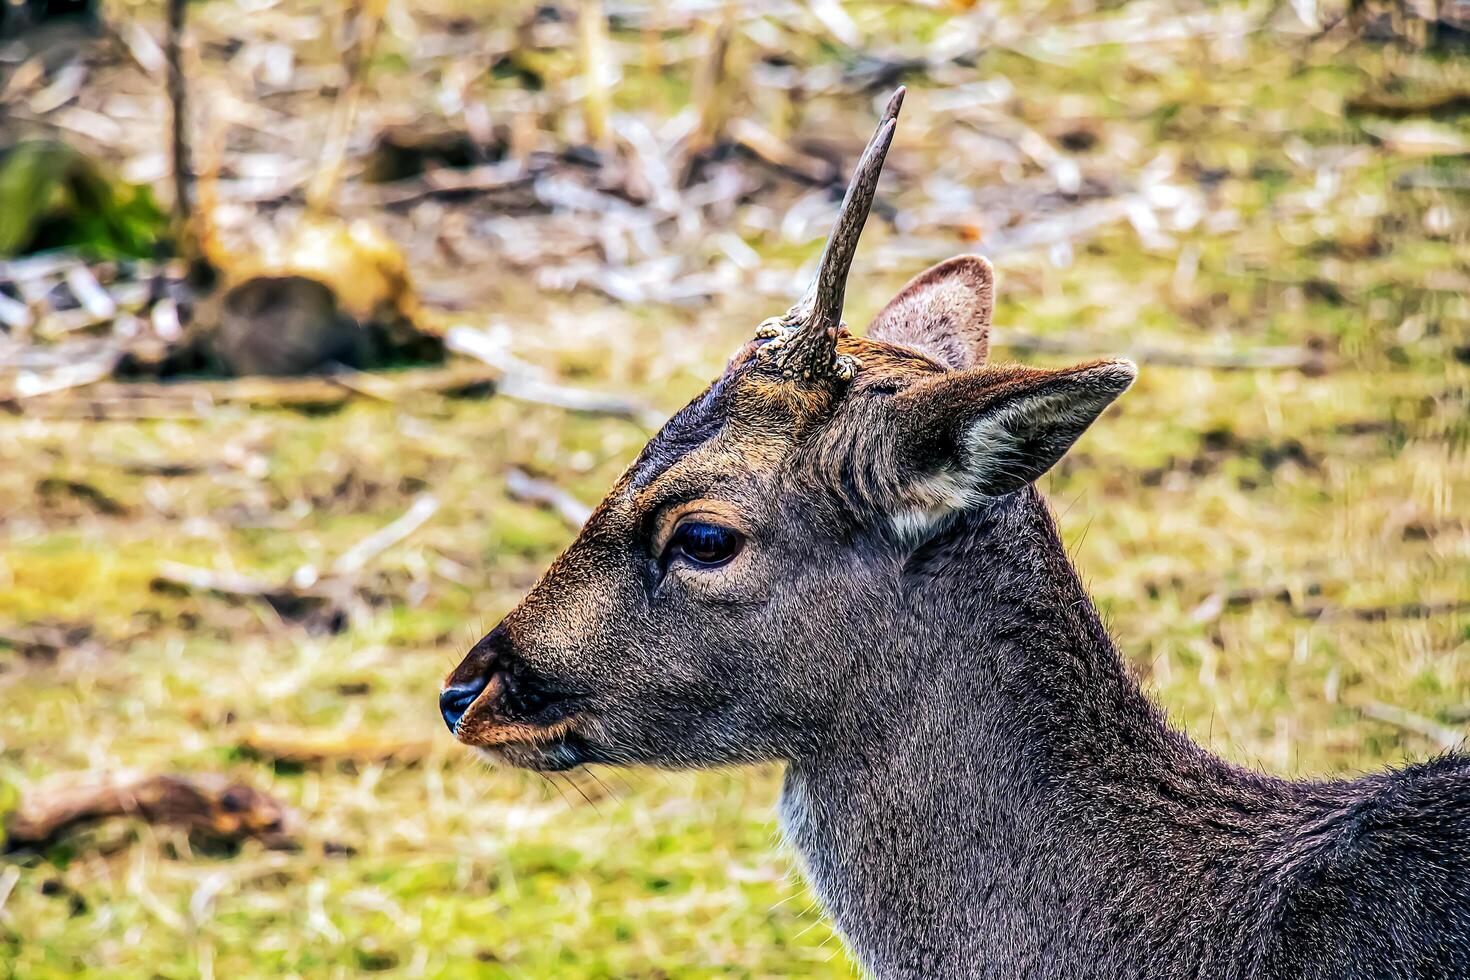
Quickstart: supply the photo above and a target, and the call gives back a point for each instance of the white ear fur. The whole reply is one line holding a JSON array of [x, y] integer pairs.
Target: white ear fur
[[1005, 446]]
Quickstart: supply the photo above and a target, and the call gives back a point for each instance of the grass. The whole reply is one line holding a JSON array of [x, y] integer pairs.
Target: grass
[[1345, 493]]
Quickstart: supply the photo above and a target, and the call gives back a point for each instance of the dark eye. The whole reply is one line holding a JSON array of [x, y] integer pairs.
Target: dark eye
[[705, 544]]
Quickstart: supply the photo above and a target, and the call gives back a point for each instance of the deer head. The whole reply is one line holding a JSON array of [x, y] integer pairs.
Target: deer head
[[726, 600]]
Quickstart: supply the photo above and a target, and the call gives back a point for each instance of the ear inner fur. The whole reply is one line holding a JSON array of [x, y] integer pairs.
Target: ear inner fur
[[944, 312], [972, 435]]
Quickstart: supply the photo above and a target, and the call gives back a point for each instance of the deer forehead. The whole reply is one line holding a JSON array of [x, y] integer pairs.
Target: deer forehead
[[747, 423], [719, 457], [728, 471]]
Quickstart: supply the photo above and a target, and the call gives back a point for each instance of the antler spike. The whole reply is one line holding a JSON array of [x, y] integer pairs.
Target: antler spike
[[804, 343]]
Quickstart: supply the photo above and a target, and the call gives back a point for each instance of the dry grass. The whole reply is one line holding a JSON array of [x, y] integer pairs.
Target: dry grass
[[1254, 538]]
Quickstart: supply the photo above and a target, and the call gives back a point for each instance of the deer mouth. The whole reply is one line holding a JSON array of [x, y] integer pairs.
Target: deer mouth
[[551, 751], [518, 720]]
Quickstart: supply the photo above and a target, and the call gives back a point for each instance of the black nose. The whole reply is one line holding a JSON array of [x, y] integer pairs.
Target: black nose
[[456, 699]]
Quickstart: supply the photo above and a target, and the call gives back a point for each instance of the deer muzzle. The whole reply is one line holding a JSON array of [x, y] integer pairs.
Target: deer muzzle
[[494, 699]]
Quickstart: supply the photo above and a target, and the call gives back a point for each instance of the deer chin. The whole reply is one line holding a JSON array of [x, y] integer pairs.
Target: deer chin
[[549, 748]]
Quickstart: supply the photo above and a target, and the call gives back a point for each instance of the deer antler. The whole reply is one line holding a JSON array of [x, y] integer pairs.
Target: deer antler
[[804, 343]]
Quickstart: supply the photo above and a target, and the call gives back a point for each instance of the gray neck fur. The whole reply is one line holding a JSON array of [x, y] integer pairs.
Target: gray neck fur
[[1014, 806]]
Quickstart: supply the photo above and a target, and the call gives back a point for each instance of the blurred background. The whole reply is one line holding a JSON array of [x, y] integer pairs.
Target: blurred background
[[304, 383]]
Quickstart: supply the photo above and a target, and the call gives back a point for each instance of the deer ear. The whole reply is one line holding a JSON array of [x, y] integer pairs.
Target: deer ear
[[943, 312], [969, 436]]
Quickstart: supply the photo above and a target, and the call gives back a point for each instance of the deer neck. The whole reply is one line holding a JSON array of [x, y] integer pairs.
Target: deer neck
[[954, 808]]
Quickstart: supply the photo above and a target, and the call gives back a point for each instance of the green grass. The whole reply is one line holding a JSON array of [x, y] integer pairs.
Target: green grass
[[1348, 491]]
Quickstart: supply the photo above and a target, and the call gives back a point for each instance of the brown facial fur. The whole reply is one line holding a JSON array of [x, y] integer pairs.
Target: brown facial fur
[[650, 658]]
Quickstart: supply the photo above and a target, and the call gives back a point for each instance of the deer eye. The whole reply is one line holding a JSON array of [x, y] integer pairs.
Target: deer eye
[[707, 545]]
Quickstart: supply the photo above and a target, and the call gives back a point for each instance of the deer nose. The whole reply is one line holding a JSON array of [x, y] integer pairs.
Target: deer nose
[[468, 681], [456, 699]]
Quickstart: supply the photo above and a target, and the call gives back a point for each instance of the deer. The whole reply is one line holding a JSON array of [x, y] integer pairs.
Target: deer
[[836, 558]]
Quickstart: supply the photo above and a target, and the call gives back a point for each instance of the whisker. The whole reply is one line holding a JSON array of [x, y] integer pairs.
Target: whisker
[[556, 786], [607, 792], [573, 784]]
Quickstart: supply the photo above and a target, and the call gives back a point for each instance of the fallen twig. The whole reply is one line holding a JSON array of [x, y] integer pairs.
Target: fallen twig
[[189, 399], [31, 384], [1137, 29], [89, 293], [321, 603], [1419, 138], [316, 747], [318, 606], [769, 147], [1443, 736], [15, 315], [1378, 614], [1394, 105], [526, 488], [524, 387], [45, 642], [485, 179], [1216, 603], [207, 804], [1259, 359], [387, 536], [577, 400]]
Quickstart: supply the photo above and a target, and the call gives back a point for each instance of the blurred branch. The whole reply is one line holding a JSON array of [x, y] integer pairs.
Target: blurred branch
[[318, 747], [515, 382], [364, 19], [1217, 602], [1260, 359], [63, 377], [485, 179], [1446, 738], [316, 606], [537, 392], [208, 804], [769, 147], [183, 164], [191, 399], [322, 603], [423, 508], [1379, 614], [141, 46], [528, 489], [593, 48], [711, 95]]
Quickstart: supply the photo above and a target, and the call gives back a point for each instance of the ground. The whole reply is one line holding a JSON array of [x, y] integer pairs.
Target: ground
[[1283, 554]]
